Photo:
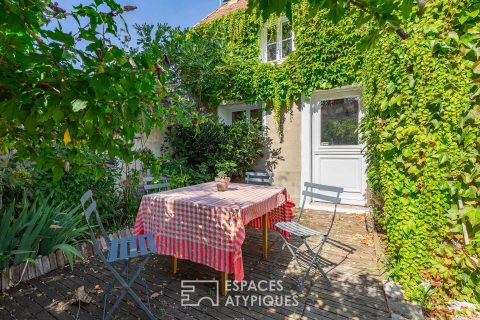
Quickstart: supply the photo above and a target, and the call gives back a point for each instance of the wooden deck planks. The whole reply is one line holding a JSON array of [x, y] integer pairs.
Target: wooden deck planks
[[356, 291]]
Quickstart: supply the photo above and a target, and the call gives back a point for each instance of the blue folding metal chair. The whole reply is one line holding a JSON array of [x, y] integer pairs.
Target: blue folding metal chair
[[124, 249], [156, 184], [260, 178], [314, 191]]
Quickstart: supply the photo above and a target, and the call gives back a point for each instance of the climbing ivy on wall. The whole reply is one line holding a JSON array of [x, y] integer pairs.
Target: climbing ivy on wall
[[423, 131], [325, 56]]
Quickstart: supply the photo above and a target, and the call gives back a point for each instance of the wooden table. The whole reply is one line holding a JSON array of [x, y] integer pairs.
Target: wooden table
[[200, 224]]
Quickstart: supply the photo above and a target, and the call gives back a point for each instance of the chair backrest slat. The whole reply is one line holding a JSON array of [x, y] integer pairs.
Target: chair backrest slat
[[321, 196], [87, 195], [156, 186], [149, 179], [260, 178], [317, 191], [162, 186], [323, 187], [86, 198], [92, 207]]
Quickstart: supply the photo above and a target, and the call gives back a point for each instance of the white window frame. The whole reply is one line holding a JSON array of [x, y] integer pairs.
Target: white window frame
[[263, 36], [225, 112]]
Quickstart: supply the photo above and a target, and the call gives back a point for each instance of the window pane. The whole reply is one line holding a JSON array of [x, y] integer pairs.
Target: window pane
[[271, 34], [272, 52], [257, 115], [238, 115], [286, 30], [286, 48], [339, 122]]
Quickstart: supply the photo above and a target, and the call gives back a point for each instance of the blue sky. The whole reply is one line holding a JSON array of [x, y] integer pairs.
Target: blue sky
[[184, 13]]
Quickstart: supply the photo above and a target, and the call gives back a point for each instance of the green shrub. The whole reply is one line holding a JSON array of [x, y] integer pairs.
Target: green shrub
[[212, 147], [180, 173]]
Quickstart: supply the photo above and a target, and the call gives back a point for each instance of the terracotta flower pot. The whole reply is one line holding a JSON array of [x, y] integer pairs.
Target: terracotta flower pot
[[222, 184]]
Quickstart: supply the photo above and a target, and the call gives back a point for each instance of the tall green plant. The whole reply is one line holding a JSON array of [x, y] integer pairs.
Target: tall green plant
[[39, 228]]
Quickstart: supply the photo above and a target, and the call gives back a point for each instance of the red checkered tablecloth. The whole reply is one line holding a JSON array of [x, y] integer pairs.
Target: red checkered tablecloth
[[200, 224]]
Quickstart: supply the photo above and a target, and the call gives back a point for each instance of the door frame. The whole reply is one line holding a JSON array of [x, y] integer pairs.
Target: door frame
[[306, 138]]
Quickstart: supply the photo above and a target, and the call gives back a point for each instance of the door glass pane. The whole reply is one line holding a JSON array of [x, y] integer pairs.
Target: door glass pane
[[339, 122]]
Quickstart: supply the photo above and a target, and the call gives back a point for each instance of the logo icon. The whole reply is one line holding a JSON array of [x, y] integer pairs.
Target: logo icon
[[188, 288]]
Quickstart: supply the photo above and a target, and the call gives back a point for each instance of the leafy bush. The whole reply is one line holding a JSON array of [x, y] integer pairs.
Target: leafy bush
[[180, 173], [213, 146], [39, 228]]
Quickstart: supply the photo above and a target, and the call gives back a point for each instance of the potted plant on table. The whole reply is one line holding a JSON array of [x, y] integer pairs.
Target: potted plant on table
[[222, 181]]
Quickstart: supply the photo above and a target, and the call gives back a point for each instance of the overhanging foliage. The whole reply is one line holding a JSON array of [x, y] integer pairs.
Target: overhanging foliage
[[74, 89]]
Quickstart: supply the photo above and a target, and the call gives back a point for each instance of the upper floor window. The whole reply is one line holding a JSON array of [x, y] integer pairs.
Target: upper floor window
[[277, 40]]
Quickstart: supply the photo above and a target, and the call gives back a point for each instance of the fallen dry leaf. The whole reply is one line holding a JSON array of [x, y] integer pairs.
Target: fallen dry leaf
[[154, 295], [81, 295], [366, 239], [360, 217], [97, 289]]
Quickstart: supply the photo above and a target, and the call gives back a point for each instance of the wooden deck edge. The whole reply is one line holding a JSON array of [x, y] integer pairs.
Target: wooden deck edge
[[16, 274]]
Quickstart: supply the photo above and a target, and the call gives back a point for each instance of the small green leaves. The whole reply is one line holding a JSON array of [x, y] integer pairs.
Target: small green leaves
[[57, 115], [453, 35], [407, 6], [60, 36], [78, 105]]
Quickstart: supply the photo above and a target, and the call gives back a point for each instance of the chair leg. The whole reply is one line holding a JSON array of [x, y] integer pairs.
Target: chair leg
[[110, 288], [315, 259], [277, 257], [142, 281], [289, 246], [301, 283], [147, 289], [127, 289]]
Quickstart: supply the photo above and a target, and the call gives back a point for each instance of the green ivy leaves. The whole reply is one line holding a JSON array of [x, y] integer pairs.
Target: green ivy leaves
[[423, 151]]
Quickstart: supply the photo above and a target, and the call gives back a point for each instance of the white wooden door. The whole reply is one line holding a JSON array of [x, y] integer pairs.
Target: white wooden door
[[337, 155]]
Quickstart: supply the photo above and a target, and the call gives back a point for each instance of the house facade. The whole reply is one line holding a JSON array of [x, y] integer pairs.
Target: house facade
[[313, 127]]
